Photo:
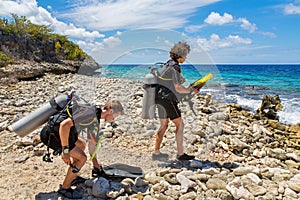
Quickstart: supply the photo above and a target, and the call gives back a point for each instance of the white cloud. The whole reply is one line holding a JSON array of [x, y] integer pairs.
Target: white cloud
[[291, 9], [215, 42], [269, 34], [119, 33], [194, 28], [74, 32], [112, 41], [132, 14], [247, 25], [216, 19], [236, 40], [92, 47], [39, 15], [22, 7]]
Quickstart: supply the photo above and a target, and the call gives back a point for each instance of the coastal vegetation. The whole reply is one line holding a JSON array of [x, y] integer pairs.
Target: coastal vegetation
[[21, 39], [4, 59]]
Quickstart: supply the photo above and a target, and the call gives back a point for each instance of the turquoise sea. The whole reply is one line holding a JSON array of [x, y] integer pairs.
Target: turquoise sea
[[242, 84]]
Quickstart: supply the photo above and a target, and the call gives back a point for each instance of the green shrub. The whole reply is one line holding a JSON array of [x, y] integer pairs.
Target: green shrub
[[73, 52], [5, 60]]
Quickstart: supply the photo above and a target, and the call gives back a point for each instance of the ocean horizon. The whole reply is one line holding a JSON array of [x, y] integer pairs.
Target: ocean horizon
[[244, 84]]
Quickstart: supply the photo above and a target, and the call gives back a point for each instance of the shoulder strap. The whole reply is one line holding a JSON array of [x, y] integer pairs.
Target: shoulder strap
[[69, 112], [171, 63]]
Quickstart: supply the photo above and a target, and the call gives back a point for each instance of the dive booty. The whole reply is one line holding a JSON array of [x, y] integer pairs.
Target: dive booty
[[32, 121]]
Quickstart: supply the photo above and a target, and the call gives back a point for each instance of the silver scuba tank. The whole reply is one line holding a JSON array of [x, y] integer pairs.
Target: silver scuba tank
[[38, 117], [150, 84]]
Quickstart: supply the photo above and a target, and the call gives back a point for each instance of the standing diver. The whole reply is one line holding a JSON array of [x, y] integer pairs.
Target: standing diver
[[168, 94]]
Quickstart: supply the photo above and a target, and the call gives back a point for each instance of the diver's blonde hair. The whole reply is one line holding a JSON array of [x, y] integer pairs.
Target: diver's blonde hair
[[115, 105]]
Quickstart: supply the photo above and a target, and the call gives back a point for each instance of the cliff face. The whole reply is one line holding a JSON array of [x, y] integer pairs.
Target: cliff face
[[33, 58], [24, 47]]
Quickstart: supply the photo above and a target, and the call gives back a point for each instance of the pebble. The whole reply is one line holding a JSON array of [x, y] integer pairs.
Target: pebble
[[21, 159]]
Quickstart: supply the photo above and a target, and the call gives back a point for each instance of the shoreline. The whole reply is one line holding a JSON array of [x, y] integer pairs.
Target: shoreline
[[242, 89], [219, 133]]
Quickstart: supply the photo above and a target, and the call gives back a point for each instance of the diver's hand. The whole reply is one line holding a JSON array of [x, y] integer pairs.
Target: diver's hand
[[66, 158], [195, 91]]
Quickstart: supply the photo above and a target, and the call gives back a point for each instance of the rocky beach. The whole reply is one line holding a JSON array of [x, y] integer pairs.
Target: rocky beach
[[238, 154]]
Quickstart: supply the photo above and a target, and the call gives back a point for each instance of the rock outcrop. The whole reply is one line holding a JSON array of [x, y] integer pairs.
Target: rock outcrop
[[25, 69]]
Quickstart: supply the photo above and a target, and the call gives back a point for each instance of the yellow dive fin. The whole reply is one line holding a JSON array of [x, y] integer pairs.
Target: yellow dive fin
[[201, 82]]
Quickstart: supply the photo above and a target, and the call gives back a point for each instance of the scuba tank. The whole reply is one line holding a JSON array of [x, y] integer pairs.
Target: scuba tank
[[40, 116], [150, 84]]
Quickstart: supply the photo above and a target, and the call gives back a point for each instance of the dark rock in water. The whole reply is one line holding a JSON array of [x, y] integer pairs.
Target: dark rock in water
[[253, 87], [272, 104], [271, 114], [230, 85]]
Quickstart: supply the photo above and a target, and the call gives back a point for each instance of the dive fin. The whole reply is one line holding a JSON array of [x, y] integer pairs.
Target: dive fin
[[123, 170], [202, 81]]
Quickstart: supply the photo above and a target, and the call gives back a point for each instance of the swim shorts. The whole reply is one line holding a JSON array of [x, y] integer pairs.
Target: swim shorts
[[167, 109]]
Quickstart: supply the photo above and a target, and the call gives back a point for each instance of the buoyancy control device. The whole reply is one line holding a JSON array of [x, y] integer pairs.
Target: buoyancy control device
[[155, 84], [35, 119], [152, 86]]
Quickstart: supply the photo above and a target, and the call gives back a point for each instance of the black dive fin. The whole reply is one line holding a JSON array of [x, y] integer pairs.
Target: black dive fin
[[123, 170]]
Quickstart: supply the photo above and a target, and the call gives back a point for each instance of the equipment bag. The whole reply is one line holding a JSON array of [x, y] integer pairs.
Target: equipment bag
[[50, 139]]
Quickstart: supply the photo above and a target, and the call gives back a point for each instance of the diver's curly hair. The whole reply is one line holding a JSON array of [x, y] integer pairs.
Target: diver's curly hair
[[179, 50]]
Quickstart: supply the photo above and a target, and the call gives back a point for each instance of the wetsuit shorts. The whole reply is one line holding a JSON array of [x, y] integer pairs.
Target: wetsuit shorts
[[167, 109]]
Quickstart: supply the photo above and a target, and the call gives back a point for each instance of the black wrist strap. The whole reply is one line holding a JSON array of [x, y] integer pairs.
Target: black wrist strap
[[65, 147]]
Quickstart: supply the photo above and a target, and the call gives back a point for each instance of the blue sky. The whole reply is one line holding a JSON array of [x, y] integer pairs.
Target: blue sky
[[143, 31]]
